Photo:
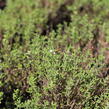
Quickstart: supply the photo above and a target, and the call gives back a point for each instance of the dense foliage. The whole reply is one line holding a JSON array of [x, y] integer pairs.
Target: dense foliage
[[54, 54]]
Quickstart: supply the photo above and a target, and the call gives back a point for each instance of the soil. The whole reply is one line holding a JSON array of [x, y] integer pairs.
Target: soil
[[62, 15], [2, 4]]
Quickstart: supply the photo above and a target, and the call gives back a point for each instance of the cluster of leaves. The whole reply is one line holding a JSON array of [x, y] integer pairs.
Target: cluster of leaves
[[42, 67]]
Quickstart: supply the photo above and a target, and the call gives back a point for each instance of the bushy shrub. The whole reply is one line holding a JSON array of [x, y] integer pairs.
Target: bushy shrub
[[54, 54]]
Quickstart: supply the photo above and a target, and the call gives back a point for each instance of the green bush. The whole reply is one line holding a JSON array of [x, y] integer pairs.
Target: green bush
[[53, 54]]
